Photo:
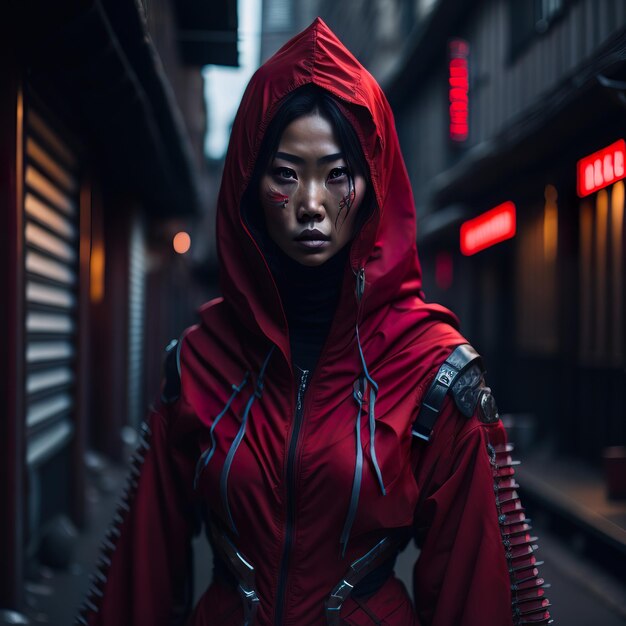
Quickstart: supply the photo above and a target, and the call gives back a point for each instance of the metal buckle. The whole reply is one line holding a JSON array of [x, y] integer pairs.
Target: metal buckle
[[243, 571], [358, 570], [446, 375]]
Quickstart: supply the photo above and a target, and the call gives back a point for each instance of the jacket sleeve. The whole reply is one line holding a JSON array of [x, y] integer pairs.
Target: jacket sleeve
[[477, 565], [144, 569]]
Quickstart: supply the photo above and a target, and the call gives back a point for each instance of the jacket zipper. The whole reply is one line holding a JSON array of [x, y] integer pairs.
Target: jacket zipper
[[289, 522]]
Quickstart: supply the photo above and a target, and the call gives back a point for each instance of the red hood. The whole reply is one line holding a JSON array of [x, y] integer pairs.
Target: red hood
[[385, 245]]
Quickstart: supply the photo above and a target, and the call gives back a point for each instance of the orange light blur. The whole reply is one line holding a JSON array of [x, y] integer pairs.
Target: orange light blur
[[601, 168], [96, 271], [617, 247], [488, 229], [181, 242], [550, 224]]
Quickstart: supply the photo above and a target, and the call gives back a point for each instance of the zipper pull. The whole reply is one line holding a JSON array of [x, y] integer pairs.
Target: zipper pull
[[360, 283]]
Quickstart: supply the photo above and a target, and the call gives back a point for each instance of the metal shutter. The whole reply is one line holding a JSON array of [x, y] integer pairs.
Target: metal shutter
[[51, 238]]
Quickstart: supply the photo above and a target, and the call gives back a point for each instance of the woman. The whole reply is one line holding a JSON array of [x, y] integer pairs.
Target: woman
[[321, 413]]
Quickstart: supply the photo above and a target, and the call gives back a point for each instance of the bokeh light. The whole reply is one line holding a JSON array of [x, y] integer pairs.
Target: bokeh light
[[181, 242]]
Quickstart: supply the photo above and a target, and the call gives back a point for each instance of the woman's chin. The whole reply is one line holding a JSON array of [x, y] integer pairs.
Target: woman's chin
[[311, 256]]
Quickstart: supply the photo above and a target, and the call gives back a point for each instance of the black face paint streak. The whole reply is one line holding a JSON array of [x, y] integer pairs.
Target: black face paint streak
[[347, 201]]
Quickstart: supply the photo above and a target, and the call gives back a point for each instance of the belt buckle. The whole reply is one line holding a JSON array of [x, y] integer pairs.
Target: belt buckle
[[243, 571]]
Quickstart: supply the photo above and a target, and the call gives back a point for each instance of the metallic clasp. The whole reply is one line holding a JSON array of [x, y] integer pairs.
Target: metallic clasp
[[359, 569], [243, 571], [446, 375], [360, 283]]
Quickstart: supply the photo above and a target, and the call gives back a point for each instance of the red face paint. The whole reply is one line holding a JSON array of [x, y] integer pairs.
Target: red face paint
[[277, 198]]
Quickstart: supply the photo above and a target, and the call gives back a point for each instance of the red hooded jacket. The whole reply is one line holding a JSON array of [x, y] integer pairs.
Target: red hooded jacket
[[281, 489]]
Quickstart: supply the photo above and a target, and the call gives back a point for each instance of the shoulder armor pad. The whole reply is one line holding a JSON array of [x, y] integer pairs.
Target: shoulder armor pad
[[467, 388], [461, 372], [171, 372], [470, 390]]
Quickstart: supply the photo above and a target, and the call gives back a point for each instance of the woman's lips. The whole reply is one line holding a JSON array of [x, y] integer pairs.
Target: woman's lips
[[312, 239], [313, 243]]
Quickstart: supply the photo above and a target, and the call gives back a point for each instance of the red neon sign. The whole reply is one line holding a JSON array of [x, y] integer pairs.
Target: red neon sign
[[488, 229], [458, 90], [601, 168]]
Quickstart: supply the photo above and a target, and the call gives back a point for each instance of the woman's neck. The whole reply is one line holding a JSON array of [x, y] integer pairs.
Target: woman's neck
[[309, 295]]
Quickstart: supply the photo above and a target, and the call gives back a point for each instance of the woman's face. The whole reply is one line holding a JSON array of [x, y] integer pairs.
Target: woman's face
[[308, 200]]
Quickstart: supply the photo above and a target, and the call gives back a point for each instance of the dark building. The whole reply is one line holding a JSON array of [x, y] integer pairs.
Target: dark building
[[103, 121], [281, 20], [497, 102], [546, 306]]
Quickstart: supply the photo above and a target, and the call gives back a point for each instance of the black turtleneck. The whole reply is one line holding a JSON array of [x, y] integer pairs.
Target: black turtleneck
[[310, 296]]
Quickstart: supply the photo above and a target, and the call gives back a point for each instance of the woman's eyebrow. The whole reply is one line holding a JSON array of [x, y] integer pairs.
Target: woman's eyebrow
[[292, 158], [330, 157]]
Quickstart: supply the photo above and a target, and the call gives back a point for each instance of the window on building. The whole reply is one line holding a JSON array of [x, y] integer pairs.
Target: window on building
[[537, 311], [51, 263], [279, 15], [530, 18], [601, 274]]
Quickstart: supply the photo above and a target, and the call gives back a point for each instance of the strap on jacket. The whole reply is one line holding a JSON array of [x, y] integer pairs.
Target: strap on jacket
[[171, 373], [453, 367]]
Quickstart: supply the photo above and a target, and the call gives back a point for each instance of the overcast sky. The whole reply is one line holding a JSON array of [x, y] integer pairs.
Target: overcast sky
[[224, 86]]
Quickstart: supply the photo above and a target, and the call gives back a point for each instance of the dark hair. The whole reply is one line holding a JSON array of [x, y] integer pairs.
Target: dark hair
[[299, 103]]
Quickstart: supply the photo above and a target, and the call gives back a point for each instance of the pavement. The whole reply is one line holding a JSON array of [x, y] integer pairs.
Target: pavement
[[574, 521], [53, 596], [573, 500]]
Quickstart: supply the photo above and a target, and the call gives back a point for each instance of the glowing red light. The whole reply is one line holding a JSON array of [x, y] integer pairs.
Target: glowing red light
[[458, 91], [601, 168], [488, 229]]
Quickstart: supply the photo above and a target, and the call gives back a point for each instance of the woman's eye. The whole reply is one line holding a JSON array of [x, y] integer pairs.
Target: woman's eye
[[338, 172], [284, 173]]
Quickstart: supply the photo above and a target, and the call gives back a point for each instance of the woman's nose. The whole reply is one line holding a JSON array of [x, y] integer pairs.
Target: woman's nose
[[311, 202]]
